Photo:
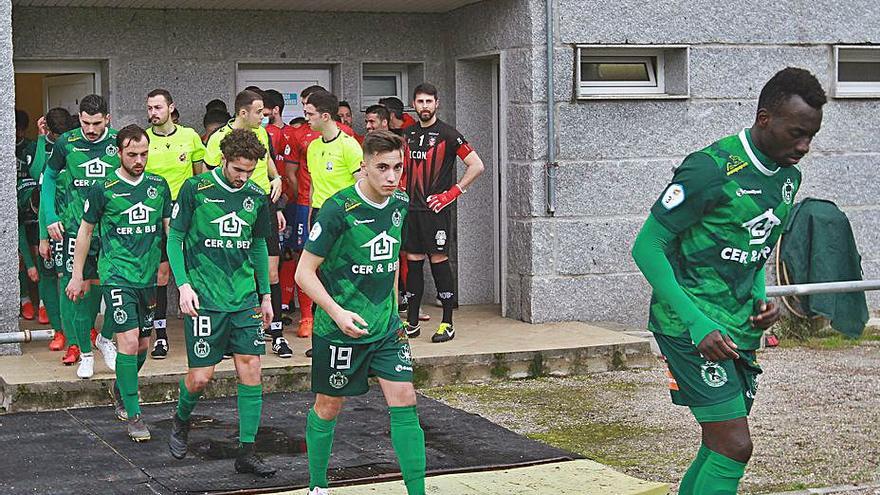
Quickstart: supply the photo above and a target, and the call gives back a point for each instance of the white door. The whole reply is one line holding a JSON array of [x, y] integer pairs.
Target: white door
[[66, 91], [289, 82]]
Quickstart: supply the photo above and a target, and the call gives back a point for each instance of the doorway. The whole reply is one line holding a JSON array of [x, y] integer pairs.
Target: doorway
[[482, 233], [289, 80], [44, 84]]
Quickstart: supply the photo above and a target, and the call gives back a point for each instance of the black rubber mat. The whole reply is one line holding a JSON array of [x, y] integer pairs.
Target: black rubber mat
[[87, 451]]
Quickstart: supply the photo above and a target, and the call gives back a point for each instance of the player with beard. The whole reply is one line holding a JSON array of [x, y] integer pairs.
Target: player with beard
[[131, 211], [431, 184], [176, 154]]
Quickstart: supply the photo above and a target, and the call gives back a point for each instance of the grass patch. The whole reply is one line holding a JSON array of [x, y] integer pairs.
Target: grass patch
[[606, 443]]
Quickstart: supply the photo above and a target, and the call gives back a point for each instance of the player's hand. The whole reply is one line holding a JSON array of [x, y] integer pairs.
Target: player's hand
[[33, 274], [348, 322], [266, 308], [44, 250], [768, 313], [282, 222], [189, 301], [76, 288], [436, 202], [42, 128], [717, 347], [56, 231], [275, 191]]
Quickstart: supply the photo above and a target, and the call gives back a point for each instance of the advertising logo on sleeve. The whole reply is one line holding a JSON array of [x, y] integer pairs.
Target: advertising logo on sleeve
[[673, 196]]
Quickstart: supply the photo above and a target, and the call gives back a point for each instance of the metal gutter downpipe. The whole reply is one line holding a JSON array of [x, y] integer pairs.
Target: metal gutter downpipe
[[25, 336], [552, 166]]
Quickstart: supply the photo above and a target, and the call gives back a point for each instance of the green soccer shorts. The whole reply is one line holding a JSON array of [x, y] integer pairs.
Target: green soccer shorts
[[90, 270], [212, 333], [343, 369], [129, 308], [715, 391]]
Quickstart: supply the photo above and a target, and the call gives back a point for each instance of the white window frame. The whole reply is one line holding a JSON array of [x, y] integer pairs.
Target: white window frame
[[398, 71], [848, 89], [652, 55], [655, 83]]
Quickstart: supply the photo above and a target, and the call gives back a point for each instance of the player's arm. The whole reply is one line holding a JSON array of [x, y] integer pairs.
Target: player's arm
[[181, 216], [77, 286], [259, 256], [47, 192], [39, 158], [349, 323], [694, 191], [473, 168], [25, 251], [766, 313]]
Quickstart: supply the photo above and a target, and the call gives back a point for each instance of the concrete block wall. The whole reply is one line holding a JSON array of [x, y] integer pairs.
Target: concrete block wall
[[616, 156], [8, 228]]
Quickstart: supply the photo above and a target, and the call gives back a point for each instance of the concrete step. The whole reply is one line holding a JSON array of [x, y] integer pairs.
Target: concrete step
[[486, 347]]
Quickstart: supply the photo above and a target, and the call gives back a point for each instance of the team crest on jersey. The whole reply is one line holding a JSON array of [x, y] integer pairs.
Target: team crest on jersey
[[440, 238], [120, 316], [59, 259], [432, 141], [111, 150], [761, 226], [788, 191], [338, 380], [405, 354], [182, 157], [713, 374], [230, 225], [201, 348], [396, 218], [49, 263], [381, 247], [69, 265], [673, 196], [152, 192], [248, 204], [329, 166]]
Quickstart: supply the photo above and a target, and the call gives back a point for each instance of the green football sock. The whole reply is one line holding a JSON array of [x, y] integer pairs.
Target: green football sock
[[408, 440], [127, 381], [83, 320], [96, 295], [319, 443], [48, 287], [142, 358], [250, 407], [690, 477], [66, 309], [23, 284], [186, 402], [719, 475]]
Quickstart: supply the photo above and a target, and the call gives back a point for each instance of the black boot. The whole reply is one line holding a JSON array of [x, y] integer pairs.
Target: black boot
[[249, 462], [179, 437]]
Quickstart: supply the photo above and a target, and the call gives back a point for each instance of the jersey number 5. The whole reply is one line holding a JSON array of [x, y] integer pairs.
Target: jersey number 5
[[340, 357], [116, 296]]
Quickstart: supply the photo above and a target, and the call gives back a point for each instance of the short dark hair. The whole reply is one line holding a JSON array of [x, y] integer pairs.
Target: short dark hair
[[255, 89], [382, 142], [74, 122], [161, 92], [175, 114], [304, 94], [379, 110], [215, 117], [216, 104], [324, 102], [245, 99], [58, 120], [343, 103], [129, 133], [394, 106], [21, 120], [297, 120], [789, 82], [425, 88], [242, 143], [93, 105], [272, 99]]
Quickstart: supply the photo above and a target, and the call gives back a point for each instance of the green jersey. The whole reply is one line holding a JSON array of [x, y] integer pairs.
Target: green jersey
[[727, 203], [172, 155], [26, 189], [86, 162], [218, 222], [24, 157], [360, 243], [130, 225]]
